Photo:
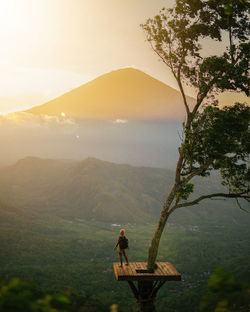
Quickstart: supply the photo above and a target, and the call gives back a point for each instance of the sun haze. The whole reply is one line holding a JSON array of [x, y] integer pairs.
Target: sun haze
[[51, 47], [119, 95]]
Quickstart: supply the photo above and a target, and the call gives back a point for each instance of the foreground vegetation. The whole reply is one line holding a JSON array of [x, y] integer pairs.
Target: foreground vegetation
[[224, 293], [76, 256]]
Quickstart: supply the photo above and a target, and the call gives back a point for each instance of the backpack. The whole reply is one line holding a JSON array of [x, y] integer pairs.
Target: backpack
[[123, 243]]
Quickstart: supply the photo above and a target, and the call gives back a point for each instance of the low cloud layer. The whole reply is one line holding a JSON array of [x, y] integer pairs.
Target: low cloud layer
[[120, 121], [135, 142], [27, 119]]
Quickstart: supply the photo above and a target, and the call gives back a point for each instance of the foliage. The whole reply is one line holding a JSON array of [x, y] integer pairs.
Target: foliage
[[103, 191], [20, 296], [225, 293], [222, 136], [214, 138], [175, 36], [88, 189], [185, 191], [76, 256]]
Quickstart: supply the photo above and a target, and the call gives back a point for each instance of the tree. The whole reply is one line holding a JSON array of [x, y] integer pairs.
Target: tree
[[16, 295], [225, 293], [214, 138]]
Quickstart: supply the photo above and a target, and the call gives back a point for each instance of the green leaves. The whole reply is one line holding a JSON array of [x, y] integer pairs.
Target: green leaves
[[16, 295], [223, 136], [185, 191], [175, 36], [214, 138], [225, 293]]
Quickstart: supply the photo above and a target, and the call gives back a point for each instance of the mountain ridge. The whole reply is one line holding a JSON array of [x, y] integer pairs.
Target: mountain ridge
[[103, 191], [126, 93]]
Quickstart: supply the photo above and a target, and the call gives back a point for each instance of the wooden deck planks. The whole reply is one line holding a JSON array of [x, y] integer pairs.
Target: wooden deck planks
[[172, 268], [164, 272], [129, 269], [164, 268], [160, 270]]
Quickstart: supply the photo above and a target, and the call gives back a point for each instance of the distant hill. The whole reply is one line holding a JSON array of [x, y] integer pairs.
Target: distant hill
[[121, 94], [91, 189], [103, 191]]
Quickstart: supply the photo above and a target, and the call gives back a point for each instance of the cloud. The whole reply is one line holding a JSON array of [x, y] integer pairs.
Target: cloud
[[120, 121], [30, 120]]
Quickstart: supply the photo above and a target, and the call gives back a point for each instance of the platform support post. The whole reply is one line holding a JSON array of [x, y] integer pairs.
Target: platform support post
[[148, 282], [146, 298], [146, 293]]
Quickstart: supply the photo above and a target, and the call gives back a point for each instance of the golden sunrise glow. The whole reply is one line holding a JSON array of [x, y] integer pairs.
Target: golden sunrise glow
[[13, 13], [51, 47], [20, 28], [63, 115]]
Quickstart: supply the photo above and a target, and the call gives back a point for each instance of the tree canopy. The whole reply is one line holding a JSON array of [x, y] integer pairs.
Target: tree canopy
[[214, 137], [225, 293]]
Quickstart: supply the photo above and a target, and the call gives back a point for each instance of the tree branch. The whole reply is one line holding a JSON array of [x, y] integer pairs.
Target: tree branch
[[201, 96], [199, 170], [183, 96], [197, 200], [162, 58], [178, 78], [239, 205]]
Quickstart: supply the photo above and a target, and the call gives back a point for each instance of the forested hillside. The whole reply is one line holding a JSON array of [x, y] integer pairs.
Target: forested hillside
[[97, 190], [76, 257], [59, 221]]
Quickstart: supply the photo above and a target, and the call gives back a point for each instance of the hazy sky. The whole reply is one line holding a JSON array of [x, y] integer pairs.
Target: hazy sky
[[51, 46]]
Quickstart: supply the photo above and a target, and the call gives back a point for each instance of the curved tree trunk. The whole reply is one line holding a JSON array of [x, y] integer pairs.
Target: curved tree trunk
[[153, 249]]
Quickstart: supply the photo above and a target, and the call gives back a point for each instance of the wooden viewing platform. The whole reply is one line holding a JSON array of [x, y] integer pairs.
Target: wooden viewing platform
[[149, 283], [164, 272]]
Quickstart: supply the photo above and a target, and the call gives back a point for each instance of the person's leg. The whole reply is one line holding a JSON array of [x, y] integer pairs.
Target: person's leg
[[124, 254], [120, 255]]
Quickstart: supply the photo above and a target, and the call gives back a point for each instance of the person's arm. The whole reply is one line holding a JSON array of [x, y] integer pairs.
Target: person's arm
[[117, 243]]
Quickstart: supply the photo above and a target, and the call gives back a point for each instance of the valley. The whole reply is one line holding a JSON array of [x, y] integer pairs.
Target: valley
[[62, 246]]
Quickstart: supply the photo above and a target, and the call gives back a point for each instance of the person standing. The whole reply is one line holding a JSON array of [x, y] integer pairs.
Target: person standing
[[122, 244]]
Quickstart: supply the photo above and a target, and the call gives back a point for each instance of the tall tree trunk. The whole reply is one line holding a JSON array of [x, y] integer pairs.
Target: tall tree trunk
[[153, 249]]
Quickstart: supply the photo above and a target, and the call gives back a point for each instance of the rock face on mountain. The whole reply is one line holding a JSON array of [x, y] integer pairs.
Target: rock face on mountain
[[121, 94], [100, 190]]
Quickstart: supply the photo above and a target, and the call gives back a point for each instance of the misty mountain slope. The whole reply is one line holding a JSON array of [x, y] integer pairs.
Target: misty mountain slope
[[124, 116], [121, 94], [100, 190], [139, 143], [12, 216], [85, 189]]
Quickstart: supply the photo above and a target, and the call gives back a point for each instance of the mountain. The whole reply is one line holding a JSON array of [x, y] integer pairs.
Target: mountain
[[104, 191], [91, 189], [121, 94]]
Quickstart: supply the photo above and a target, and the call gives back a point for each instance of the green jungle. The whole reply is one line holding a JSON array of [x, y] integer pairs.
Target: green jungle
[[68, 253], [60, 219]]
